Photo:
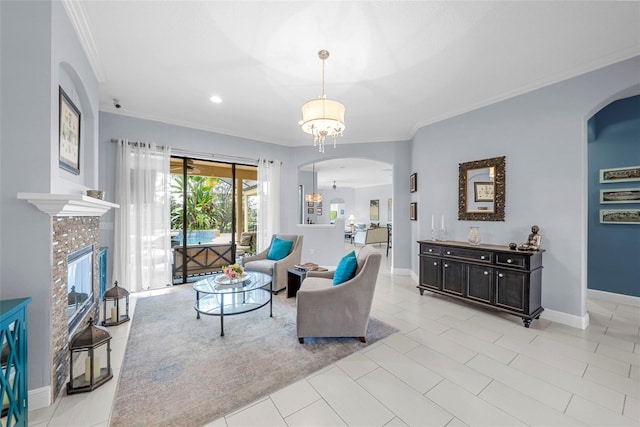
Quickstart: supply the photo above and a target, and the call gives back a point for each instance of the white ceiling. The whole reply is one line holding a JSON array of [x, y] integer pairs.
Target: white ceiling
[[396, 65]]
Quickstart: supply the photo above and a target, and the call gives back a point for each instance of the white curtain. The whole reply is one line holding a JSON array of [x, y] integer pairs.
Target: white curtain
[[269, 201], [142, 253]]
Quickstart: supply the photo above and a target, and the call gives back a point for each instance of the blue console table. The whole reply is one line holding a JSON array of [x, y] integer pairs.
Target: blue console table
[[13, 376]]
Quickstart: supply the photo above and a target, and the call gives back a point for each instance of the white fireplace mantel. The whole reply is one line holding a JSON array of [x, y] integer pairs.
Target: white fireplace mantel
[[68, 204]]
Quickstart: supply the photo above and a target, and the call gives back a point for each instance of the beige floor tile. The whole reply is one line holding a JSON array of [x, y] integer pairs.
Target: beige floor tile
[[408, 404], [456, 372], [405, 368], [294, 397], [469, 327], [443, 345], [582, 387], [525, 408], [620, 355], [476, 345], [317, 414], [530, 385], [596, 416], [622, 384], [349, 400], [357, 364], [469, 408], [632, 409], [261, 414]]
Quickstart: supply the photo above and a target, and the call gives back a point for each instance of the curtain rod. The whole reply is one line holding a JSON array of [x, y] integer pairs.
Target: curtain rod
[[199, 155]]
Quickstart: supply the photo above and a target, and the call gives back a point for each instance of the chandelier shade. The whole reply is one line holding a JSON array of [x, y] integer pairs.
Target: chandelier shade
[[323, 117]]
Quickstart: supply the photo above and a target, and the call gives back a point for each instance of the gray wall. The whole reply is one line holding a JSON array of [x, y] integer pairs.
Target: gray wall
[[39, 51], [193, 140], [543, 135]]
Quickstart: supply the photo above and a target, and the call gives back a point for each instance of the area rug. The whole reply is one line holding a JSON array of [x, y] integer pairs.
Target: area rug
[[179, 371]]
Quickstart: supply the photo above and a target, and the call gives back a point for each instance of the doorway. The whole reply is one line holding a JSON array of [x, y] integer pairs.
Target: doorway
[[212, 204]]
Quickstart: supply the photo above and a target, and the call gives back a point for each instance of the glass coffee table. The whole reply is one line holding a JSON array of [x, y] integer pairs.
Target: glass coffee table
[[215, 296]]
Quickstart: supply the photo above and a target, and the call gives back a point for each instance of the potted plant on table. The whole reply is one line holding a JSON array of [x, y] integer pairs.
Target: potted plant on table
[[233, 272]]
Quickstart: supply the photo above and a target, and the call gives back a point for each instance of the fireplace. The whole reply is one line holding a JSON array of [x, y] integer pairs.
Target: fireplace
[[79, 285]]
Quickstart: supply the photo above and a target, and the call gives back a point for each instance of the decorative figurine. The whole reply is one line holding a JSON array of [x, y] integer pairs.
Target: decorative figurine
[[533, 242]]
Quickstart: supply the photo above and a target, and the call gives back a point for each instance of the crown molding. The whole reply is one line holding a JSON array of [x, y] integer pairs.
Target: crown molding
[[77, 15]]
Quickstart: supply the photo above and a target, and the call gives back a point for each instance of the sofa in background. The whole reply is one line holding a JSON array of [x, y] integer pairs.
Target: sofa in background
[[247, 243], [371, 236]]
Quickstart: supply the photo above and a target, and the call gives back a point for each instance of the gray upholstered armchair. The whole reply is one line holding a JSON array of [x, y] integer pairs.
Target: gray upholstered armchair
[[324, 310], [276, 269]]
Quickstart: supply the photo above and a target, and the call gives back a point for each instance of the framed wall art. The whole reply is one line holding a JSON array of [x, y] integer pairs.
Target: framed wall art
[[310, 211], [68, 134], [413, 183], [374, 210], [620, 195], [620, 216], [631, 173], [483, 191], [413, 211], [318, 211]]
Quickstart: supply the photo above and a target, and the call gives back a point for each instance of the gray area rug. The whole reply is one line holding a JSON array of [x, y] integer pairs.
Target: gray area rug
[[179, 371]]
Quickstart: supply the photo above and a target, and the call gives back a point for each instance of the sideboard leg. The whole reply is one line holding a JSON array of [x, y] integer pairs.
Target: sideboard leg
[[526, 322]]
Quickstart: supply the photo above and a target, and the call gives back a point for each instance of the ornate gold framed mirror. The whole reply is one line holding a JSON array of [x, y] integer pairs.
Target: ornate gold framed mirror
[[481, 189]]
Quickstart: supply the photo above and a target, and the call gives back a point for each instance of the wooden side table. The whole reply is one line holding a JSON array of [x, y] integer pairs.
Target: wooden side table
[[294, 280]]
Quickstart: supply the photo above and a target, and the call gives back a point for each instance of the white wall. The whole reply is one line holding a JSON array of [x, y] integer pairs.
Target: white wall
[[381, 193], [543, 136]]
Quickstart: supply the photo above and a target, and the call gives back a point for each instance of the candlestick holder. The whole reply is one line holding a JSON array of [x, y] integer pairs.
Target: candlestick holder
[[433, 235], [442, 235]]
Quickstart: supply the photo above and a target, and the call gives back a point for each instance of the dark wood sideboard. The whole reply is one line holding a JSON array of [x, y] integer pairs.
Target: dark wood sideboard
[[489, 275]]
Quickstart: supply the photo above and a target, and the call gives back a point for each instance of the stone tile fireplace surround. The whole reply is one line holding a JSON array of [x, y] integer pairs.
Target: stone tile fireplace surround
[[75, 224], [69, 234]]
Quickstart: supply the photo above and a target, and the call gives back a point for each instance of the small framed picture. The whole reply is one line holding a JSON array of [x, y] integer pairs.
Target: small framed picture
[[310, 211], [620, 216], [413, 183], [309, 204], [483, 191], [68, 134], [620, 195], [413, 211], [318, 211], [631, 173], [320, 204]]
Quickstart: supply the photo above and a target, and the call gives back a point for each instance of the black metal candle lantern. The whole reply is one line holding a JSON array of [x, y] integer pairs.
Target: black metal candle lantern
[[117, 314], [94, 342]]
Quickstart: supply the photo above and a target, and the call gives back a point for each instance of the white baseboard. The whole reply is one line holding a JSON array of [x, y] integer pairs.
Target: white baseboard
[[401, 271], [612, 297], [39, 398], [580, 322]]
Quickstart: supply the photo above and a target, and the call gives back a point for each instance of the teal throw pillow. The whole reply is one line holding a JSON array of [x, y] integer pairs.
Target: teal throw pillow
[[279, 249], [346, 268]]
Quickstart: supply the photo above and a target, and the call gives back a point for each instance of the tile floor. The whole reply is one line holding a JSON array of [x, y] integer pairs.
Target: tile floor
[[451, 365]]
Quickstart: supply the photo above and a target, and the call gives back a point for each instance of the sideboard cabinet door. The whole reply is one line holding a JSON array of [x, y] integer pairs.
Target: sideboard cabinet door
[[430, 272], [480, 283], [512, 290], [453, 276]]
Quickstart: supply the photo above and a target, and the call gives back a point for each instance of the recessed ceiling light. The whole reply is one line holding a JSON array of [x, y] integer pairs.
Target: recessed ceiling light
[[216, 99]]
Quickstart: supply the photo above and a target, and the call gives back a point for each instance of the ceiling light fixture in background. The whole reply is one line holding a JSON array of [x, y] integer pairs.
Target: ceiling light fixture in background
[[314, 197], [323, 117]]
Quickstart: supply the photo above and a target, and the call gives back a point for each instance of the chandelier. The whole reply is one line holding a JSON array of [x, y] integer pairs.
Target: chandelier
[[314, 197], [323, 117]]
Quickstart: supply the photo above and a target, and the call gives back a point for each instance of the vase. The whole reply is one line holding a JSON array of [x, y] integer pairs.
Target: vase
[[474, 236]]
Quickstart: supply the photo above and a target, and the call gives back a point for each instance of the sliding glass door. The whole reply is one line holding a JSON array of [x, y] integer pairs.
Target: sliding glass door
[[211, 205]]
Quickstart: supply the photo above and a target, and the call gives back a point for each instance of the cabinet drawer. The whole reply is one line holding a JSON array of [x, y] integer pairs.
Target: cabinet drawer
[[430, 249], [470, 254], [512, 260]]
